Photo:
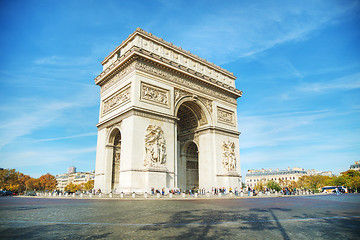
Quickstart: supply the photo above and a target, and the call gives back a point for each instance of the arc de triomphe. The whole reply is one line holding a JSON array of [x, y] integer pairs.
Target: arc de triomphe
[[167, 119]]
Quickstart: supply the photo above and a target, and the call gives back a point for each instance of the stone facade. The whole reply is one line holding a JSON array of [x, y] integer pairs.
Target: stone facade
[[73, 177], [355, 166], [167, 119], [253, 177]]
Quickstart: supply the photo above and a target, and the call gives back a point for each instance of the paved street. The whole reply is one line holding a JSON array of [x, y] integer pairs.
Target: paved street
[[292, 217]]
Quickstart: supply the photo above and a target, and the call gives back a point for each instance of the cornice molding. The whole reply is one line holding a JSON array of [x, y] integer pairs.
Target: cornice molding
[[169, 45], [136, 53], [136, 111]]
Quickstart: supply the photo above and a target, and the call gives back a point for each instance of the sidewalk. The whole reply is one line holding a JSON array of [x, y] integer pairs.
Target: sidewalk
[[142, 196]]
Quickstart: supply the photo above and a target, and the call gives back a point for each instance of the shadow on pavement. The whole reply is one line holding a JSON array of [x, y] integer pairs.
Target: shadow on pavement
[[212, 224], [53, 231]]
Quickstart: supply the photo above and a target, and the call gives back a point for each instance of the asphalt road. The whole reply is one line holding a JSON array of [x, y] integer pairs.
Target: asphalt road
[[292, 217]]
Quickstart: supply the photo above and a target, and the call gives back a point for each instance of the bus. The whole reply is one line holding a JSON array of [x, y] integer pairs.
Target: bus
[[332, 189]]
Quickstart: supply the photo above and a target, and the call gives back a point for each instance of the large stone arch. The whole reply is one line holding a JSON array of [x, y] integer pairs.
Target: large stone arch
[[148, 82]]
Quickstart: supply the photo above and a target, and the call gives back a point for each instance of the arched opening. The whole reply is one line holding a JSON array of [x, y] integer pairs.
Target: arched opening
[[115, 143], [191, 117], [192, 167]]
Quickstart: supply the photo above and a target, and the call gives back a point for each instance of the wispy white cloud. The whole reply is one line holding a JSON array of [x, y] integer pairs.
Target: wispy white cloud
[[277, 129], [68, 137], [39, 158], [61, 61], [343, 83], [25, 115], [48, 60], [244, 31]]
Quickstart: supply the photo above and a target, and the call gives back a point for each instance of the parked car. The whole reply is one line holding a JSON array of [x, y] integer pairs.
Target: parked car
[[30, 193], [6, 193]]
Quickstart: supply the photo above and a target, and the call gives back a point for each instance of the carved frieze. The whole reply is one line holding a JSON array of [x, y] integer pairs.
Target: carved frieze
[[229, 159], [154, 94], [155, 147], [116, 100], [180, 93], [117, 77], [207, 103], [140, 65], [225, 116]]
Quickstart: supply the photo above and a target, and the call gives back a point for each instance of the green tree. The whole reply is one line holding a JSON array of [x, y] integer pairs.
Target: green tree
[[273, 185], [259, 186], [355, 183]]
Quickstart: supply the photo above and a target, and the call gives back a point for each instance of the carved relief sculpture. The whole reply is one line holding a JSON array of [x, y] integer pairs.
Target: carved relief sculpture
[[154, 94], [180, 93], [155, 146], [229, 159], [116, 100], [225, 116]]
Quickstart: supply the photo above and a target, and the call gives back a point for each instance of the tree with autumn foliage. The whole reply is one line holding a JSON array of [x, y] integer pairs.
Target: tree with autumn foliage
[[71, 187], [14, 181], [48, 182], [89, 185], [9, 180], [351, 179], [313, 182], [33, 184]]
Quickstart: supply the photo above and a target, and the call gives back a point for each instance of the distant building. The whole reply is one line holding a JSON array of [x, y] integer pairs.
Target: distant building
[[355, 166], [72, 170], [254, 176], [73, 177]]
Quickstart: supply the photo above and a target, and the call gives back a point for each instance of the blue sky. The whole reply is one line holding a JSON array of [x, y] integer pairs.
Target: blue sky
[[298, 63]]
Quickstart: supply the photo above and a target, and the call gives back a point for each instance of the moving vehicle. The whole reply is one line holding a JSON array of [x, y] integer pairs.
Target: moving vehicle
[[332, 189]]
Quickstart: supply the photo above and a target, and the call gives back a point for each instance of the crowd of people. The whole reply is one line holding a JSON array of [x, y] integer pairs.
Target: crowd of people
[[199, 191], [224, 191]]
